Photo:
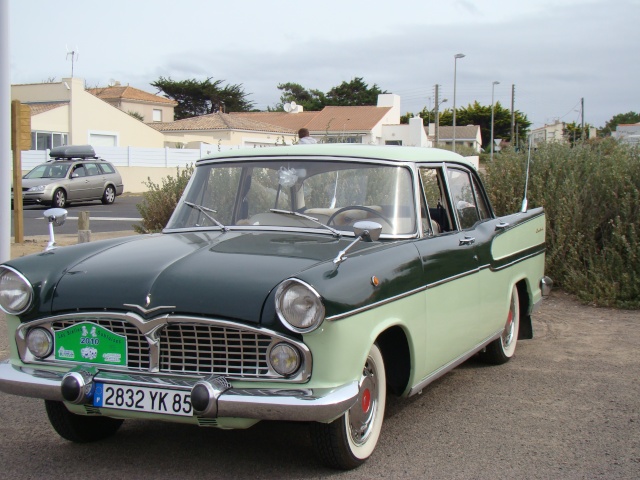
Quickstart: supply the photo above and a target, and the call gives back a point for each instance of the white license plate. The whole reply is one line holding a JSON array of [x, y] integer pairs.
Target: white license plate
[[143, 399]]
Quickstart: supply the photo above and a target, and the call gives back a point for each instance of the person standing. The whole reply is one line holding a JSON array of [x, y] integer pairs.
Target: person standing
[[305, 139]]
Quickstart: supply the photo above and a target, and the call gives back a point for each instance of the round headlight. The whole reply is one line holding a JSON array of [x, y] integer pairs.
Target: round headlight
[[15, 292], [39, 342], [284, 359], [299, 306]]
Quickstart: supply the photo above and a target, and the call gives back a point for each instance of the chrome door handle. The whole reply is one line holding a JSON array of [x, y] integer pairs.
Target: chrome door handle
[[467, 241], [502, 226]]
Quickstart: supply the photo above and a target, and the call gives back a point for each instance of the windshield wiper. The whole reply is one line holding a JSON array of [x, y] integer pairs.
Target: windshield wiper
[[204, 211], [307, 217]]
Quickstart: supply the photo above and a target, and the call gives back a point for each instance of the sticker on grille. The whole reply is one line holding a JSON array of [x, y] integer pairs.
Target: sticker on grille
[[137, 345]]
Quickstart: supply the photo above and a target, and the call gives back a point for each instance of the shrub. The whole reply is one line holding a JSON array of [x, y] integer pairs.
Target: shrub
[[591, 197], [159, 201]]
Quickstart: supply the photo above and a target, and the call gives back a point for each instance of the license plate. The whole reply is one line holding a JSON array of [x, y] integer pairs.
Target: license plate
[[143, 399]]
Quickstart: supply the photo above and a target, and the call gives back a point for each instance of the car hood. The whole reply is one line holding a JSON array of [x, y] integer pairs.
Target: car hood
[[225, 275], [34, 182]]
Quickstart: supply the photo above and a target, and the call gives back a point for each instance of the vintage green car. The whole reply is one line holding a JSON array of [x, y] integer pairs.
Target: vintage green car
[[298, 283]]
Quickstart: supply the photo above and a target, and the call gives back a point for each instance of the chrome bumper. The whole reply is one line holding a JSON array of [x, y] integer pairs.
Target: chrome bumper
[[291, 404]]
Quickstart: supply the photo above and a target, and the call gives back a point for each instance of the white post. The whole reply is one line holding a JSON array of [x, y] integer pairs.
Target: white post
[[493, 86], [455, 66], [5, 135]]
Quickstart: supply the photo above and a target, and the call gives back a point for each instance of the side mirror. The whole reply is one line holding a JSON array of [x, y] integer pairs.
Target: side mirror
[[57, 217], [364, 230], [368, 231]]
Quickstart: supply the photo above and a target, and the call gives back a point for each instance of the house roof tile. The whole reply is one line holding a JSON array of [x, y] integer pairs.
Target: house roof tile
[[332, 119], [219, 121], [463, 132], [126, 92], [41, 107]]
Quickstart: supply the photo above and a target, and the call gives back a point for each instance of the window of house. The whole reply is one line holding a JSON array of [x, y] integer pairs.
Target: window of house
[[157, 115], [47, 140], [393, 142]]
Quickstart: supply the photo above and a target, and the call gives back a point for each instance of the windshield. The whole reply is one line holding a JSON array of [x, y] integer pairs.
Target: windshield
[[49, 170], [297, 194]]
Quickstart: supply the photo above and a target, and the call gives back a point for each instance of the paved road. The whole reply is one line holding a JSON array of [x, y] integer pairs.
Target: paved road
[[566, 407], [118, 216]]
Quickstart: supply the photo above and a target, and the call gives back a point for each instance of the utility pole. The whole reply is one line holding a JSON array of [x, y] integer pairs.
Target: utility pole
[[513, 114], [437, 115], [583, 135]]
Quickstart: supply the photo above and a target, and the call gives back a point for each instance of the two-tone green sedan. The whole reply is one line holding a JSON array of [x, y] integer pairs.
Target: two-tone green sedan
[[298, 283]]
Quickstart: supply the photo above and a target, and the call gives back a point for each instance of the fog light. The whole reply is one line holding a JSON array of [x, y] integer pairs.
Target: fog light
[[39, 342], [284, 359]]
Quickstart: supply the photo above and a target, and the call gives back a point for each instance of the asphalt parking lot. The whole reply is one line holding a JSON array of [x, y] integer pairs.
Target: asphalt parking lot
[[566, 407]]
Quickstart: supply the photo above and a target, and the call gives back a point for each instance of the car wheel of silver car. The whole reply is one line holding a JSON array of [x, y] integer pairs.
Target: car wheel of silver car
[[80, 428], [59, 198], [502, 349], [348, 441], [109, 195]]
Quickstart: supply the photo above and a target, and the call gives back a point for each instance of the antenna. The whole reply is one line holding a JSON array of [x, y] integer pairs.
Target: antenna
[[75, 54], [526, 180]]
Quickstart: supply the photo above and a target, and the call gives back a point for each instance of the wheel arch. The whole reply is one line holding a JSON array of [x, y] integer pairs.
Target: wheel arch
[[524, 295], [394, 346]]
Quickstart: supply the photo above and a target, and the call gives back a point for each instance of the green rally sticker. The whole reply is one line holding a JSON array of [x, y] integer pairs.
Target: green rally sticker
[[90, 343]]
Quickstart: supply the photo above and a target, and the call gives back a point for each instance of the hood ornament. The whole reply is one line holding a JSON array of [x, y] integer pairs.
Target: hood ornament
[[147, 311]]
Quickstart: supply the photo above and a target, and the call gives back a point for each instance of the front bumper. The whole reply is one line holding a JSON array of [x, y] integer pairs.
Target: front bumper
[[290, 404]]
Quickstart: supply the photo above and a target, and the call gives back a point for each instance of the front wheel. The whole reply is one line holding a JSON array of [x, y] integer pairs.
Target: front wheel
[[502, 349], [109, 195], [59, 198], [79, 428], [348, 441]]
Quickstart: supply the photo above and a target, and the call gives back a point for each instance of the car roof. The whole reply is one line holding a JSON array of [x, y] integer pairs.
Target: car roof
[[346, 151]]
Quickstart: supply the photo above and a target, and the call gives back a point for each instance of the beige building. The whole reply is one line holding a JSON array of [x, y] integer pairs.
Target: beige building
[[223, 129], [466, 135], [151, 108], [554, 133], [65, 113]]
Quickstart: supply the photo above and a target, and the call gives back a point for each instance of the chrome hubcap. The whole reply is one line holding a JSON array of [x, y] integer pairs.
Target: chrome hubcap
[[361, 415]]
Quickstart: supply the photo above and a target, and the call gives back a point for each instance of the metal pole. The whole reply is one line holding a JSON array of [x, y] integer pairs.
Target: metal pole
[[455, 66], [437, 115], [5, 135], [493, 86]]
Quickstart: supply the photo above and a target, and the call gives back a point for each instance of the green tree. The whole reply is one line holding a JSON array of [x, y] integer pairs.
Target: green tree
[[197, 97], [619, 119], [573, 132], [312, 100], [354, 93], [477, 114]]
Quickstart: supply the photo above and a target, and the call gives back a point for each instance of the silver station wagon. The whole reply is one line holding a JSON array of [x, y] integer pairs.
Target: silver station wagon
[[74, 174], [299, 283]]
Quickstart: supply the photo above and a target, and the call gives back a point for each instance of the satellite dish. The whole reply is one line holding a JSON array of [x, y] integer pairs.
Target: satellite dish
[[111, 83], [293, 105], [287, 107]]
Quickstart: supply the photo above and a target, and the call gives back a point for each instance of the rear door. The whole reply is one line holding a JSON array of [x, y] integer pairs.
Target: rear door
[[451, 266]]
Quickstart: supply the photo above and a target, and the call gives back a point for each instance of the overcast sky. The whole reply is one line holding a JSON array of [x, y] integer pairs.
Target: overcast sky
[[555, 52]]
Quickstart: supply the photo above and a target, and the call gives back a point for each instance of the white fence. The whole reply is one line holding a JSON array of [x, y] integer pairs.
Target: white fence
[[134, 156]]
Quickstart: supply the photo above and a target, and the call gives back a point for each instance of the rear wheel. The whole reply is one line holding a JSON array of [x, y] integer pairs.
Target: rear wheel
[[502, 349], [348, 441], [79, 428], [59, 198], [109, 195]]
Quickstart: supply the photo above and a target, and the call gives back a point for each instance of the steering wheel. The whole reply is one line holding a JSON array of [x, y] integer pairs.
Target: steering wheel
[[359, 207]]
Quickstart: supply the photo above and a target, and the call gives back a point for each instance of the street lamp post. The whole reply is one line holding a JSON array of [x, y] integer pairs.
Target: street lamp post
[[493, 86], [455, 65], [437, 114]]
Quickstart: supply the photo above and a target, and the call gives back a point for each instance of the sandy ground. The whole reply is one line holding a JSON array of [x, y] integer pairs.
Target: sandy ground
[[38, 243]]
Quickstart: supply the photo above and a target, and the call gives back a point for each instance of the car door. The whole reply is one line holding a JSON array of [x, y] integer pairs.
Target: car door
[[79, 187], [96, 180], [451, 266]]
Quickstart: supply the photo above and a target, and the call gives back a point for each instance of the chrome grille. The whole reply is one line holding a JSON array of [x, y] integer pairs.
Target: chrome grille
[[137, 345], [213, 349]]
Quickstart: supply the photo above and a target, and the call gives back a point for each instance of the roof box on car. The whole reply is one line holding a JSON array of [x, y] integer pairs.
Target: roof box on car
[[72, 151]]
